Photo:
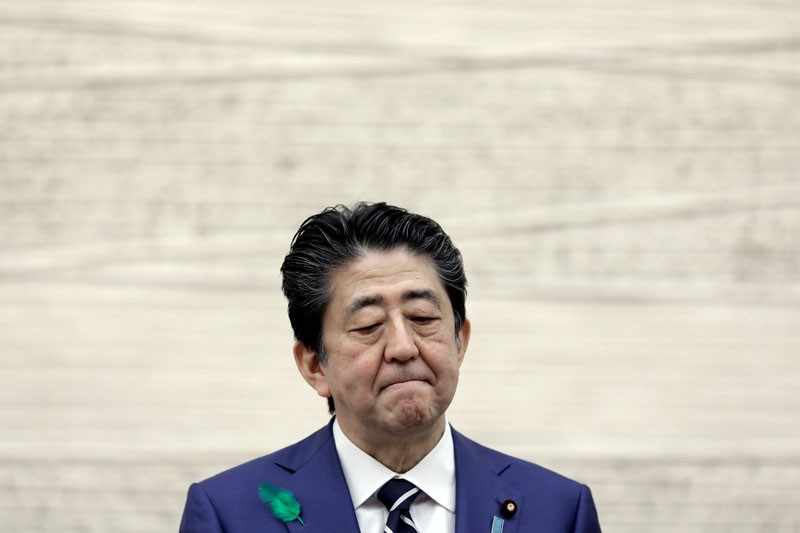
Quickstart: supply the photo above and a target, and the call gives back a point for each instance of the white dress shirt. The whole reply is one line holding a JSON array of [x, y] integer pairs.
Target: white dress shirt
[[433, 511]]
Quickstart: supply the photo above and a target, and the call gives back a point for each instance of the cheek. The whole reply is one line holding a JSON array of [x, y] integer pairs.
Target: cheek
[[440, 348], [358, 372], [434, 344], [447, 365]]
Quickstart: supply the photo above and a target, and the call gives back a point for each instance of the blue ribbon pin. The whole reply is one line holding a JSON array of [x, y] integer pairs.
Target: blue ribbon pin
[[497, 525]]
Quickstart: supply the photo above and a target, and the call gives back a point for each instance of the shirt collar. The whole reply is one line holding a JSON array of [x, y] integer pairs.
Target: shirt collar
[[435, 474]]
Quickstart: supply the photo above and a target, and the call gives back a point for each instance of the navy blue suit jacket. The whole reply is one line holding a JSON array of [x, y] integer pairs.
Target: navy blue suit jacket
[[229, 502]]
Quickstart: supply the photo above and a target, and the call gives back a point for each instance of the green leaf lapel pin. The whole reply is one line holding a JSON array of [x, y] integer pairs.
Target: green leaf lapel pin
[[281, 501]]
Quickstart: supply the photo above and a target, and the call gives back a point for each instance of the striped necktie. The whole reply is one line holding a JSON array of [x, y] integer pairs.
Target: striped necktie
[[397, 495]]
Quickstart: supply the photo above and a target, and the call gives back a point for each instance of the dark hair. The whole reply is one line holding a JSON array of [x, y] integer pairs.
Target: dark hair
[[339, 235]]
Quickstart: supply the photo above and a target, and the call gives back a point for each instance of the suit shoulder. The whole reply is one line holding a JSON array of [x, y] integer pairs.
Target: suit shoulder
[[520, 472], [270, 468]]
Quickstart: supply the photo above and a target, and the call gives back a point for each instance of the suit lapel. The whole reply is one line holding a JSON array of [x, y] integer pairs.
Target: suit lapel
[[318, 483], [480, 490]]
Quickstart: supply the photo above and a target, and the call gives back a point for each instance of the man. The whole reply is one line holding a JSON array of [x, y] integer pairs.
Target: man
[[377, 304]]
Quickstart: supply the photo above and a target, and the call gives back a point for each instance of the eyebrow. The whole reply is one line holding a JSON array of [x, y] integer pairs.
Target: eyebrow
[[413, 294], [423, 294], [362, 302]]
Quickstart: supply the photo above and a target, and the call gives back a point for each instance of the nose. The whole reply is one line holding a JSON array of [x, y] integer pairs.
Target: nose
[[400, 343]]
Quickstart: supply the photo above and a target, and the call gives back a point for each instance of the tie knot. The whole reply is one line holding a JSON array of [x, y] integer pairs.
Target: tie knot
[[397, 494]]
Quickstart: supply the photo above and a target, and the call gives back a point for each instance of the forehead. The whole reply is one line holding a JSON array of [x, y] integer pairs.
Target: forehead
[[387, 275]]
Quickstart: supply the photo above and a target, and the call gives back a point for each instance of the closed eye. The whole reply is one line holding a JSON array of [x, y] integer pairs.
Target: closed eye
[[423, 319], [368, 329]]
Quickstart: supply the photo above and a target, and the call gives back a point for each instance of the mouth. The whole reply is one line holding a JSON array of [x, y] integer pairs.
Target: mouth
[[403, 382]]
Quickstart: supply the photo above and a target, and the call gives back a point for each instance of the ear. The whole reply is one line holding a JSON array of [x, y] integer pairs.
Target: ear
[[463, 338], [311, 369]]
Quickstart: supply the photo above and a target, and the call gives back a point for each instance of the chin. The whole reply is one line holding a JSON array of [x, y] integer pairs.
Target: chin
[[412, 414]]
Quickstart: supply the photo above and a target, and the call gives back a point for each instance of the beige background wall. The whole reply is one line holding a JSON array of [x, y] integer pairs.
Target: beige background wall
[[622, 179]]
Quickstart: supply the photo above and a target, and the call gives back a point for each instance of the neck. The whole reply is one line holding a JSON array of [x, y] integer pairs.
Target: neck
[[399, 453]]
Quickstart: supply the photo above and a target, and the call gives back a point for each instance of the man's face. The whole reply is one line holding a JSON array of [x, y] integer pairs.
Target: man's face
[[392, 356]]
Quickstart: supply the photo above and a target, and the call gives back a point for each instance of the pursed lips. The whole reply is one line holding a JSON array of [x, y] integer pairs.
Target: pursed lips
[[403, 380]]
